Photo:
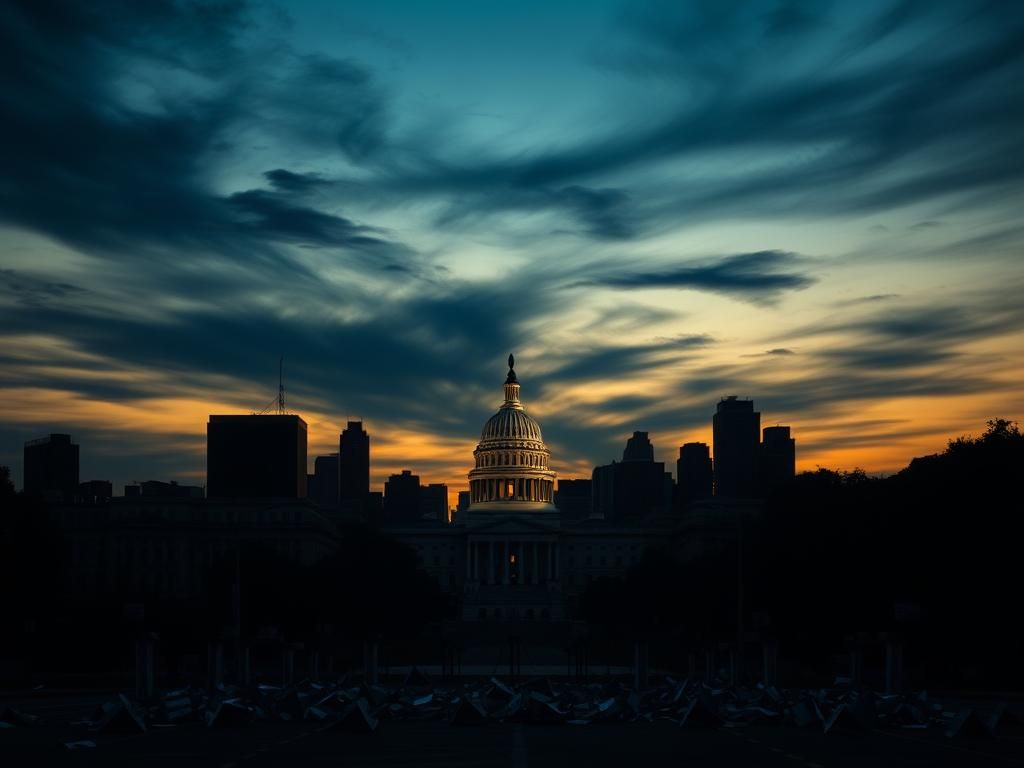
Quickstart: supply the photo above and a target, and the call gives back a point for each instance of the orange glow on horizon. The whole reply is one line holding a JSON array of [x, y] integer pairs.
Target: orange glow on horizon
[[880, 436]]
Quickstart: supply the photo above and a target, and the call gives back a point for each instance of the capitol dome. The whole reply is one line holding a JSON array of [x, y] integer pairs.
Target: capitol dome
[[511, 471], [511, 424]]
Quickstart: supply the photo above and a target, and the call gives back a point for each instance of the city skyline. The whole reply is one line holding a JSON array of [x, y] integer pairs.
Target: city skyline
[[814, 207]]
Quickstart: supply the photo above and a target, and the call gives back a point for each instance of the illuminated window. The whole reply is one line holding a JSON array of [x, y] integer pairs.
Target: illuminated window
[[510, 490]]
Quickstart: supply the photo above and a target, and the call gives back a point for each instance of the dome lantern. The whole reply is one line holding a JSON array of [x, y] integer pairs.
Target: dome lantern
[[511, 386]]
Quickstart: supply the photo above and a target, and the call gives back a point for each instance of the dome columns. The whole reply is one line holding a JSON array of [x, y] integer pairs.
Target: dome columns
[[533, 489]]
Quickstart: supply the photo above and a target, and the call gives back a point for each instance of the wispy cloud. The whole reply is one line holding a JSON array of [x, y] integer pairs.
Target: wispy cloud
[[208, 189]]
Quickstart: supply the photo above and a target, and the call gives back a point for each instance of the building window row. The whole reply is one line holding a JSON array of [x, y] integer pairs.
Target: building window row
[[517, 489], [511, 459]]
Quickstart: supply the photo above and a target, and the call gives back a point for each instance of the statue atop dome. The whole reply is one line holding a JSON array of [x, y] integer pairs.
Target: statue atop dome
[[511, 378]]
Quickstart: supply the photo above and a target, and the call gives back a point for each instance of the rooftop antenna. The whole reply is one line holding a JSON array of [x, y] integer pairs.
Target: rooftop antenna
[[280, 385]]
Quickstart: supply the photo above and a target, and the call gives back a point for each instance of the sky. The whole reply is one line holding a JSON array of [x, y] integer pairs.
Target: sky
[[653, 205]]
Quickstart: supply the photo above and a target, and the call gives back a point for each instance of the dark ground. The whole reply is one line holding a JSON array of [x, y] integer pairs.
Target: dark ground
[[435, 743]]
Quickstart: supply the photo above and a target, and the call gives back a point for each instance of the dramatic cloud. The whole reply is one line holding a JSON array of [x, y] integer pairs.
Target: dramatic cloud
[[756, 276], [813, 205]]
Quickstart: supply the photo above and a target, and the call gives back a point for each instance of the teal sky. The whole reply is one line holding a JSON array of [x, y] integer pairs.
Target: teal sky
[[816, 205]]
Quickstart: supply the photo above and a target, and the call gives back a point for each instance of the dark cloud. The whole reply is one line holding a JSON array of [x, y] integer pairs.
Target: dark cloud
[[120, 125], [273, 216], [976, 318], [287, 181], [609, 362], [760, 276], [777, 352], [874, 298], [873, 128], [629, 317], [405, 362], [105, 149], [603, 213], [31, 289]]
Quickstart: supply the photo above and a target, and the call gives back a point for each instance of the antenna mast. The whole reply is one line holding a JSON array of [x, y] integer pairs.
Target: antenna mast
[[280, 385]]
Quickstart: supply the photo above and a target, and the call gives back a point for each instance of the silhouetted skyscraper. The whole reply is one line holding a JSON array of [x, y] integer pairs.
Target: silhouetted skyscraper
[[402, 498], [574, 499], [463, 506], [737, 427], [777, 463], [434, 502], [256, 456], [50, 468], [638, 488], [326, 481], [694, 472], [638, 448], [354, 468]]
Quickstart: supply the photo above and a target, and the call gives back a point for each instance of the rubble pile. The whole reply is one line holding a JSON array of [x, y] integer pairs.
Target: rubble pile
[[352, 705]]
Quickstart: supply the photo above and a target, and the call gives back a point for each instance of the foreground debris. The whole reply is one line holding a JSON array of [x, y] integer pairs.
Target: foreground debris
[[353, 706]]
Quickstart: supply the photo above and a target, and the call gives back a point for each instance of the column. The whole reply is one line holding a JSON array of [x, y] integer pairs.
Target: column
[[533, 562], [469, 560], [492, 577], [507, 554]]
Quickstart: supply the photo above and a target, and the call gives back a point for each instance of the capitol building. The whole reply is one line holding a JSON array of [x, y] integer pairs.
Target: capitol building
[[512, 555]]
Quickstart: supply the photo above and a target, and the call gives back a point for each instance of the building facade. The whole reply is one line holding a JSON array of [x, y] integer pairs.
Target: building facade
[[737, 429], [777, 461], [354, 469], [694, 473], [50, 468], [256, 457]]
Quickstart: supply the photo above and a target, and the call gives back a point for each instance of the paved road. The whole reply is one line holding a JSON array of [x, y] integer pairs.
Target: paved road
[[618, 745]]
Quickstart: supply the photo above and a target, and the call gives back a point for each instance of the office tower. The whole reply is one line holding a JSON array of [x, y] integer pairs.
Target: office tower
[[50, 468], [434, 502], [354, 468], [737, 428], [402, 498], [462, 507], [637, 489], [694, 472], [256, 456], [638, 448], [777, 462], [325, 484], [574, 499]]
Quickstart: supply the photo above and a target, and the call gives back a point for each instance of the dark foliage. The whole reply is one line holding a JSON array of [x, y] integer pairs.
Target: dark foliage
[[929, 555]]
